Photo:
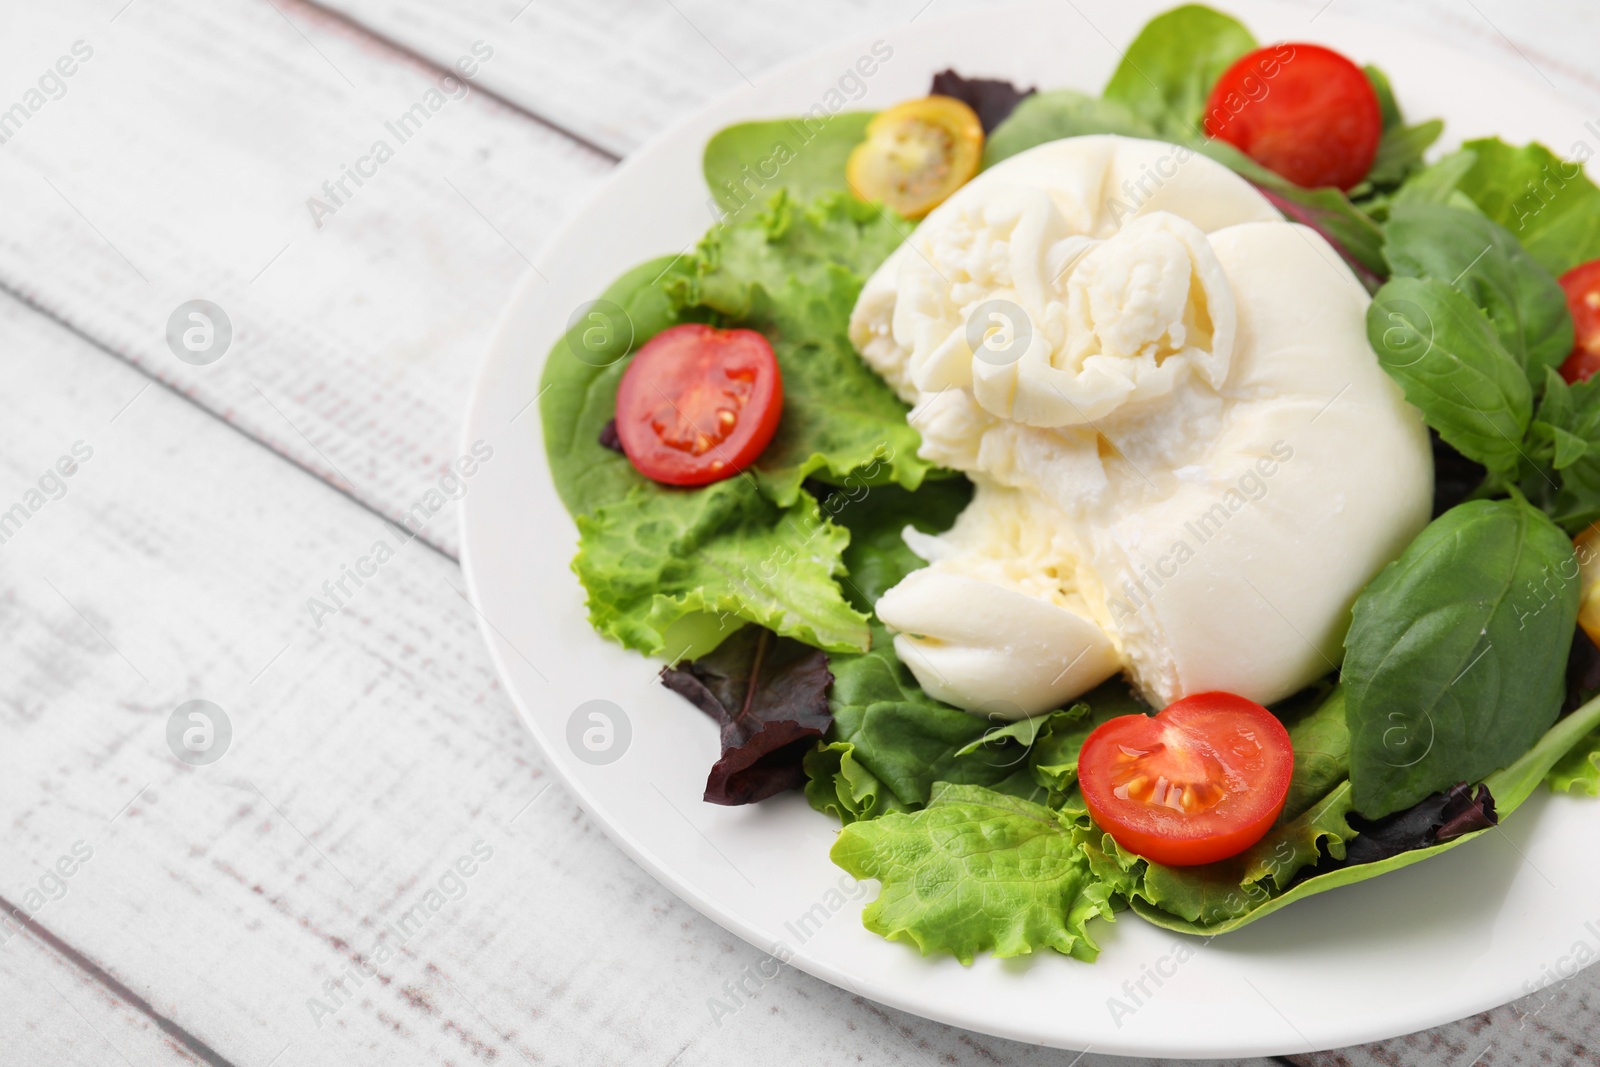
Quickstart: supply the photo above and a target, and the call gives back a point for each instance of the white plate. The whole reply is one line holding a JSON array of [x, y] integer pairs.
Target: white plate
[[1477, 927]]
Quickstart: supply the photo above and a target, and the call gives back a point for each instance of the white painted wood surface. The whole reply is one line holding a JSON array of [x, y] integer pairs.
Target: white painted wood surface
[[373, 753]]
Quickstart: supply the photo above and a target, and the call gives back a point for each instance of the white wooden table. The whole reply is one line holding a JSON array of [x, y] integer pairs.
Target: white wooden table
[[165, 913]]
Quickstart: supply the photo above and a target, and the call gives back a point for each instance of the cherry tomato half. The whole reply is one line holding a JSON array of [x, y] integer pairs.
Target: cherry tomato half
[[1201, 781], [698, 404], [1586, 546], [1300, 110], [916, 154], [1582, 284]]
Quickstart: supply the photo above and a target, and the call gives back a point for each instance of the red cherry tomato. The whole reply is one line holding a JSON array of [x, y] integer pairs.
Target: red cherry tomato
[[1582, 284], [698, 404], [1300, 110], [1201, 781]]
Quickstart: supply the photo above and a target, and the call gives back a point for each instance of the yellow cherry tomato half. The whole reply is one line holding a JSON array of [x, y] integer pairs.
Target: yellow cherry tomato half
[[1587, 547], [916, 154]]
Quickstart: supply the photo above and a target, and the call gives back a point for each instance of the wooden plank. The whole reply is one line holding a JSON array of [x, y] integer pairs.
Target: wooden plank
[[179, 162], [369, 758], [57, 1013], [619, 72]]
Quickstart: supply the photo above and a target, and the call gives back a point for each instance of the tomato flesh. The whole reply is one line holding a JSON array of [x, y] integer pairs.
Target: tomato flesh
[[1300, 110], [1582, 286], [1200, 781], [698, 404], [916, 154]]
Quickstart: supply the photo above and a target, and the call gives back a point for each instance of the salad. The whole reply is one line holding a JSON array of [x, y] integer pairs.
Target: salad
[[1180, 500]]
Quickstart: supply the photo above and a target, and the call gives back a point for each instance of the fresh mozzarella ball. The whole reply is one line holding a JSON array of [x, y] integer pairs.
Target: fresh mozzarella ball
[[1188, 460]]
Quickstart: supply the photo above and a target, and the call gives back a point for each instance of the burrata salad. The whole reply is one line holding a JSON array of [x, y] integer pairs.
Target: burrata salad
[[1177, 500]]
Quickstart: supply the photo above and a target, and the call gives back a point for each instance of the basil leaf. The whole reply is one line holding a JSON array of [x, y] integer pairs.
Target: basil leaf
[[1446, 356], [1562, 470], [1484, 261], [1454, 663], [1168, 71]]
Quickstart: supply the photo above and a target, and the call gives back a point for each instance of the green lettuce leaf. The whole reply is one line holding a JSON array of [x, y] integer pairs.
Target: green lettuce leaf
[[658, 558], [976, 871], [578, 389], [877, 557], [1454, 663], [1168, 71], [1548, 203], [1579, 770], [891, 742]]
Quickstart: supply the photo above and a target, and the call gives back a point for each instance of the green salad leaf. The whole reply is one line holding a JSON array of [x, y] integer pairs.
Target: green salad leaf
[[1490, 267], [1455, 660], [976, 871], [1561, 468], [877, 556], [1446, 355], [1401, 147], [1167, 73], [747, 162], [1050, 116], [1547, 202], [578, 389], [891, 742], [1439, 183], [657, 558], [1579, 770]]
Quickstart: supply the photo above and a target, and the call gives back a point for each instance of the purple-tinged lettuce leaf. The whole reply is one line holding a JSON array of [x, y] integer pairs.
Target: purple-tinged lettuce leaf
[[991, 98], [770, 696]]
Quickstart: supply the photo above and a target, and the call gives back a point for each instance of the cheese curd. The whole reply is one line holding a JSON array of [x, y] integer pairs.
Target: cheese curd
[[1187, 459]]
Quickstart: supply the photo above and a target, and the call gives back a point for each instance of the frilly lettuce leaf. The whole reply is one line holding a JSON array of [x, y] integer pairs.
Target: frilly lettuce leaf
[[1579, 770], [657, 558], [976, 871], [1547, 202]]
